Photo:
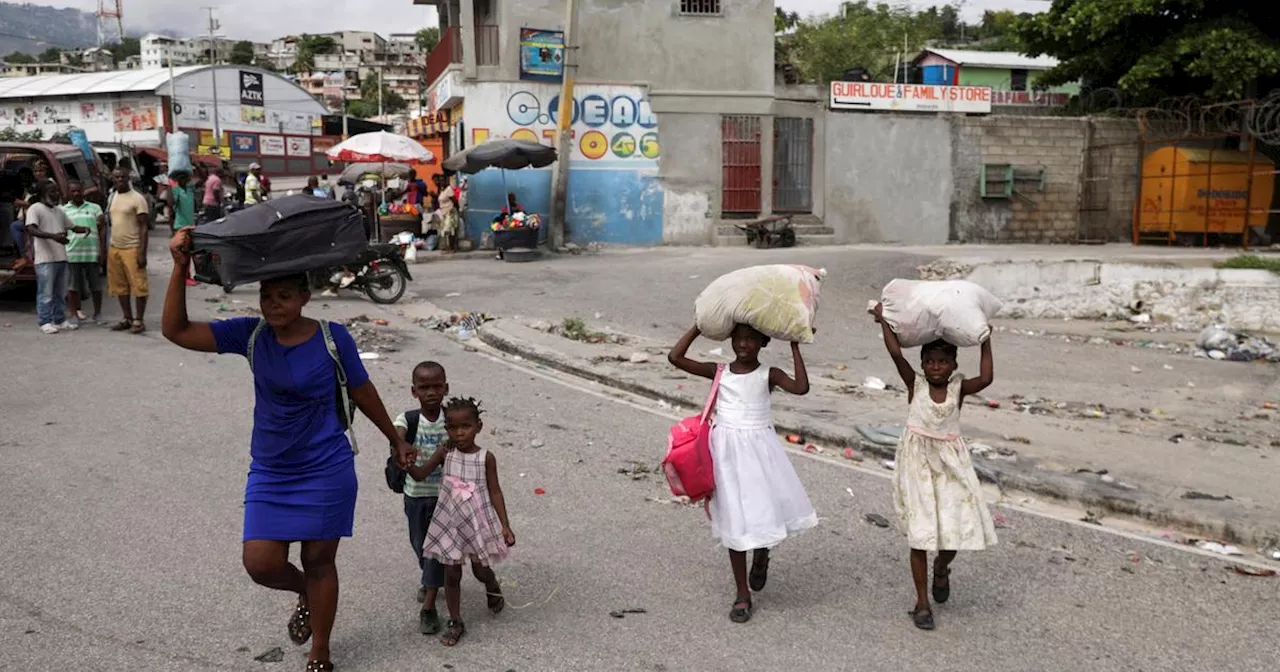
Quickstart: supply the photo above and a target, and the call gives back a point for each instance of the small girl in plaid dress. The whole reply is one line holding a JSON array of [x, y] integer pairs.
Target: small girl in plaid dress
[[470, 521]]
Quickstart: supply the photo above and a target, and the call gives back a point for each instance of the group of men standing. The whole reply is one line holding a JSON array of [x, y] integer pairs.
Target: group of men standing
[[70, 244]]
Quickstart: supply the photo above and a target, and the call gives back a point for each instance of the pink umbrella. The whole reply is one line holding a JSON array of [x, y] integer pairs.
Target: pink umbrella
[[380, 147]]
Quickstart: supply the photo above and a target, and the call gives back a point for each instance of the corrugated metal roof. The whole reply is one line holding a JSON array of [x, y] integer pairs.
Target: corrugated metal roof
[[995, 59], [89, 83]]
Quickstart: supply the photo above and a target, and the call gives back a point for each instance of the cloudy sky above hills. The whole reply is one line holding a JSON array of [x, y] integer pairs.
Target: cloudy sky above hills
[[261, 20]]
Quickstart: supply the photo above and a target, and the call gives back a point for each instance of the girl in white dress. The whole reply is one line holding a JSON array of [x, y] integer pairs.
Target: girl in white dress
[[758, 500], [935, 490]]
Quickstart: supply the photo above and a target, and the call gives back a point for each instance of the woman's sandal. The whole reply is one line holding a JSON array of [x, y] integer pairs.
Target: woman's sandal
[[759, 569], [300, 624], [923, 618], [453, 632], [493, 596], [137, 327], [319, 666], [741, 612], [941, 593], [122, 325]]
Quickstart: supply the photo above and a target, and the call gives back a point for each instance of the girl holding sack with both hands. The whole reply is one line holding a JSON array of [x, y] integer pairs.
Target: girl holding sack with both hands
[[758, 499]]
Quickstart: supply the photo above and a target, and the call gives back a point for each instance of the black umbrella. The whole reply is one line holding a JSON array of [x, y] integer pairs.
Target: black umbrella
[[502, 153], [283, 236]]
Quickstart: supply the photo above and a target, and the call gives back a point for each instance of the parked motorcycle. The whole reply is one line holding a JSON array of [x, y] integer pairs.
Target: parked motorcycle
[[380, 272]]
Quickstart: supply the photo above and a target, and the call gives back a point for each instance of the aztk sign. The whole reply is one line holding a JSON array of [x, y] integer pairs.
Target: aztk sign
[[910, 97]]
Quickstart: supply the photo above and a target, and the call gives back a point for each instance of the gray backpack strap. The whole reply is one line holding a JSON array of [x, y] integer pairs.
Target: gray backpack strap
[[348, 413], [253, 338]]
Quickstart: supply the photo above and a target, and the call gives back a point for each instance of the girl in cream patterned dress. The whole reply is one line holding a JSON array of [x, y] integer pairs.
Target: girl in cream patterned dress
[[936, 491]]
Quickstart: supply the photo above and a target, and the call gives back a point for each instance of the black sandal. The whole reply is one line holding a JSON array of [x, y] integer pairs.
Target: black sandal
[[493, 596], [300, 624], [429, 622], [759, 569], [922, 618], [941, 593], [741, 614], [319, 666], [453, 633]]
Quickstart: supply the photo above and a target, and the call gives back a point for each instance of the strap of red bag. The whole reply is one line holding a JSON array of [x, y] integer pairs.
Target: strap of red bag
[[715, 390]]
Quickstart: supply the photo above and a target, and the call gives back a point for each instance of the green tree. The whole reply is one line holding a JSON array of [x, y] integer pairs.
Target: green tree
[[129, 46], [427, 38], [50, 55], [865, 36], [784, 20], [307, 49], [392, 102], [242, 53], [20, 57], [1221, 50]]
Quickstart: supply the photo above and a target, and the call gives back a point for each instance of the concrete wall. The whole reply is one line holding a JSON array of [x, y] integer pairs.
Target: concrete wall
[[690, 175], [888, 178], [649, 41], [1034, 215], [613, 195]]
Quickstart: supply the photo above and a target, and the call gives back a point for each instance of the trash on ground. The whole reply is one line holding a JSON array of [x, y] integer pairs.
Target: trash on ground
[[889, 464], [1134, 369], [850, 491], [1092, 518], [1107, 478], [622, 613], [272, 655], [1018, 439], [639, 357], [1196, 494], [683, 501], [1244, 570], [636, 470], [992, 403], [537, 443], [370, 355], [1219, 343], [1271, 552], [796, 439], [381, 322], [812, 449], [1177, 438], [850, 455], [452, 295], [876, 519], [873, 383], [1215, 547], [1000, 520], [539, 491]]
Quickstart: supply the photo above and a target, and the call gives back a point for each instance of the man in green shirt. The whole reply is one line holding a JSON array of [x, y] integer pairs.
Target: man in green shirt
[[85, 252]]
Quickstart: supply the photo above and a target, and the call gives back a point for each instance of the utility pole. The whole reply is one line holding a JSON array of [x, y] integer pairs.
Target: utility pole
[[564, 128], [213, 76], [380, 112], [342, 63], [173, 100]]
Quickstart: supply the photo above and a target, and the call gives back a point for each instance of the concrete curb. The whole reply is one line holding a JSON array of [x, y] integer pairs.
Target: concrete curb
[[1023, 475]]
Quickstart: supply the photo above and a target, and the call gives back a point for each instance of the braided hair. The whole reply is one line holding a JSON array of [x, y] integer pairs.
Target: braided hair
[[464, 404]]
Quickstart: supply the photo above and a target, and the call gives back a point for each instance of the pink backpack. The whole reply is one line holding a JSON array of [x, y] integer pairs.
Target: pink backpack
[[688, 462]]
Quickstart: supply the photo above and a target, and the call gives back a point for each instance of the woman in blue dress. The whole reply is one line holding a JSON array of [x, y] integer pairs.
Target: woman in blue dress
[[302, 478]]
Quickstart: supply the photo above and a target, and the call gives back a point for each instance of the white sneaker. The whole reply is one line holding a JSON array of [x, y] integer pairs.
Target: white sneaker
[[48, 328], [328, 293], [68, 326]]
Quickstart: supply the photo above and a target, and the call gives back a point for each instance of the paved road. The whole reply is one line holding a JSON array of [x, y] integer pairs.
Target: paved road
[[122, 474]]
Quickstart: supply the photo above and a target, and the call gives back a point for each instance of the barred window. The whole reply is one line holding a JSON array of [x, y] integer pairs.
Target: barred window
[[700, 7]]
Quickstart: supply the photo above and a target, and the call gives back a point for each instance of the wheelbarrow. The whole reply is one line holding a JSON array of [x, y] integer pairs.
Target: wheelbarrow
[[769, 232]]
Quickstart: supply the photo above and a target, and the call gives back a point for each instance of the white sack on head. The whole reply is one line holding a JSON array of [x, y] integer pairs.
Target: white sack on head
[[780, 301], [921, 311]]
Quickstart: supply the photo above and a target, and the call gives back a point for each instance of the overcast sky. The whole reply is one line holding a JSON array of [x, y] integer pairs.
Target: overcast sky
[[262, 20]]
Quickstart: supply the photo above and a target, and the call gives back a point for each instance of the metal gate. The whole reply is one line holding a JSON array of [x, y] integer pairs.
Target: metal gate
[[792, 165], [740, 143]]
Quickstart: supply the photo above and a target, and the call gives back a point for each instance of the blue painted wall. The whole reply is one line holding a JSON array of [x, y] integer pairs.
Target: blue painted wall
[[622, 207]]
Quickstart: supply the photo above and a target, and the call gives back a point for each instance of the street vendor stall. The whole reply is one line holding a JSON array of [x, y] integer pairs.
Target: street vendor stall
[[384, 148], [513, 229]]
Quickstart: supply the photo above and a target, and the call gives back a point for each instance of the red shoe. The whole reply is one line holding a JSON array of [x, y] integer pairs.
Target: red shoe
[[191, 283]]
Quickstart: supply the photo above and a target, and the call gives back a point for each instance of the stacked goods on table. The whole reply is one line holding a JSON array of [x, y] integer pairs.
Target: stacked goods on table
[[780, 301], [520, 220], [956, 311], [284, 236]]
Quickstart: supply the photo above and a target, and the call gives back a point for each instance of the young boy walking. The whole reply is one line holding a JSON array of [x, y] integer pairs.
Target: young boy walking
[[423, 429]]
